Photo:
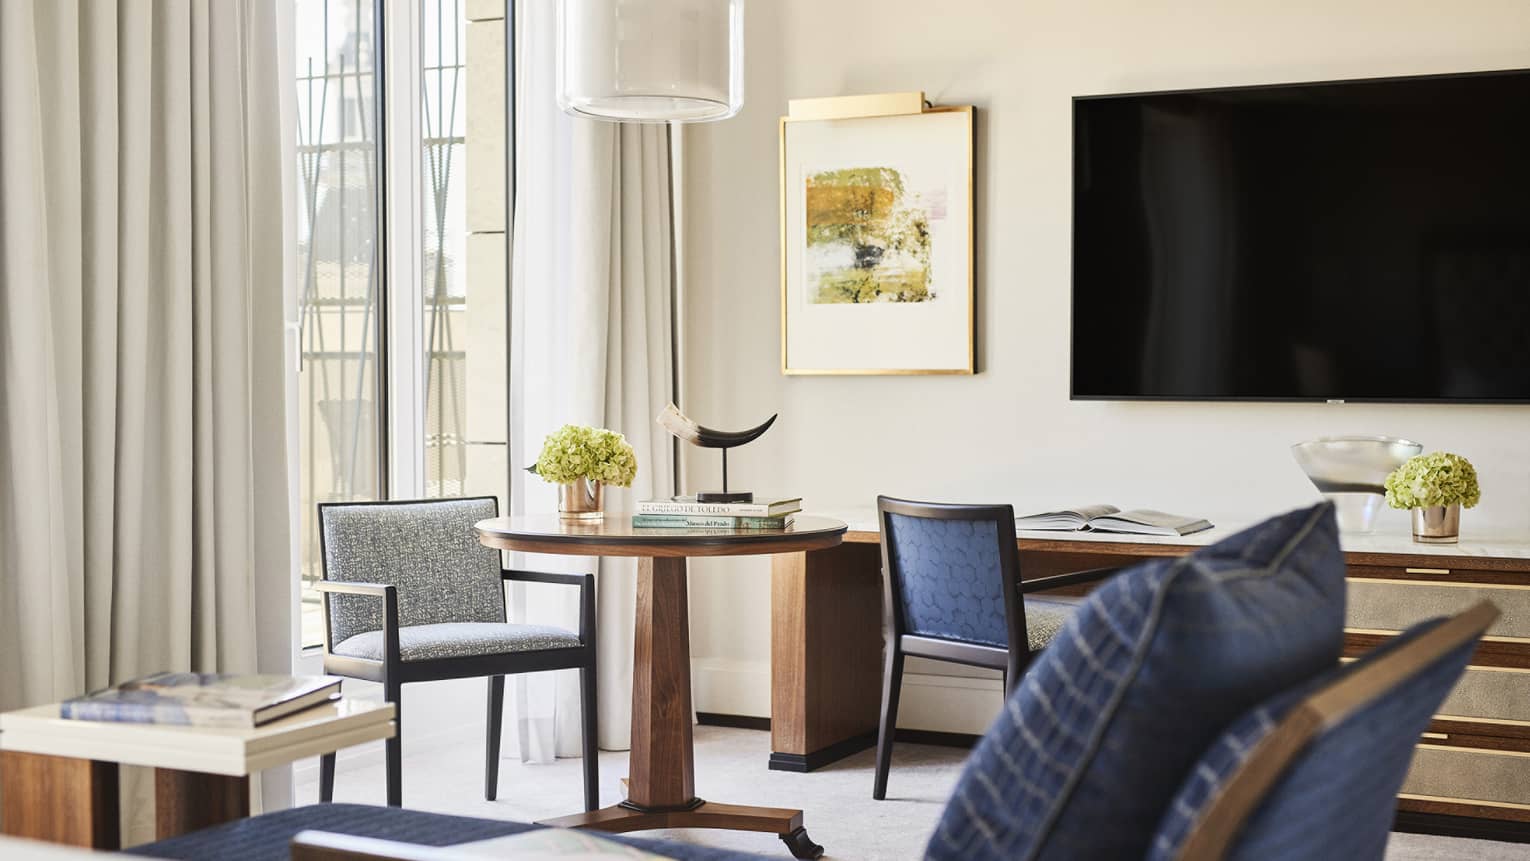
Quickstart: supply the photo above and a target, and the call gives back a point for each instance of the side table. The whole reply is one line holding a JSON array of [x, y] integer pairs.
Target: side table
[[58, 778], [661, 788]]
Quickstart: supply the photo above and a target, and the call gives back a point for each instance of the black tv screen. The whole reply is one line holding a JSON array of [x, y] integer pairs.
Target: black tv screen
[[1363, 240]]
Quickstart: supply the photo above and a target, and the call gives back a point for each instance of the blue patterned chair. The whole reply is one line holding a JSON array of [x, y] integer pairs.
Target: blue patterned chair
[[411, 596], [952, 591]]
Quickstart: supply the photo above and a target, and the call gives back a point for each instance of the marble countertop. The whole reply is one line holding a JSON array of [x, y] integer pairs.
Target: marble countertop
[[1379, 541]]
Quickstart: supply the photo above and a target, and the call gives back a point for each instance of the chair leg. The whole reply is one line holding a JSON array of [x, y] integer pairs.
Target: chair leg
[[327, 777], [892, 682], [394, 747], [587, 706], [491, 737]]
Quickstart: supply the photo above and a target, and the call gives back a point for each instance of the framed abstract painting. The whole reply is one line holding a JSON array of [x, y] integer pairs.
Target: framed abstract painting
[[877, 226]]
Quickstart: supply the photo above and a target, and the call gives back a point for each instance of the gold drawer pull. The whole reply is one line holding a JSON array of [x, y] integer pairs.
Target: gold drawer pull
[[1434, 735], [1427, 570]]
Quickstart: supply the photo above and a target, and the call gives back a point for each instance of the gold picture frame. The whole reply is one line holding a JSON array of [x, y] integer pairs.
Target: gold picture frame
[[946, 342]]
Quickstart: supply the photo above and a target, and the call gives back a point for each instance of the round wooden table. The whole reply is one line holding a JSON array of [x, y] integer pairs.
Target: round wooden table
[[661, 781]]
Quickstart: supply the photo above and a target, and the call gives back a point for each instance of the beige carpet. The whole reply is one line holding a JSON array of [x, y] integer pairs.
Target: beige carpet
[[446, 775]]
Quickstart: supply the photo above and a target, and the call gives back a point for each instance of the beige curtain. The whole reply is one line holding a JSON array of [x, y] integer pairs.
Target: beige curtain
[[591, 344], [143, 476]]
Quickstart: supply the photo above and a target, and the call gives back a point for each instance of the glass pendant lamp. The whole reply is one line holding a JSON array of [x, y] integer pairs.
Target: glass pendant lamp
[[651, 61]]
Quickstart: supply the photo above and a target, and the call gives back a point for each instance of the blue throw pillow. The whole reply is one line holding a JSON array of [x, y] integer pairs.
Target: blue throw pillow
[[1157, 662], [1338, 797]]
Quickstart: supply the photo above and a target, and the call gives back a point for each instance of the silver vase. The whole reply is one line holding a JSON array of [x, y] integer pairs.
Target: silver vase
[[1351, 471], [1437, 524], [581, 499]]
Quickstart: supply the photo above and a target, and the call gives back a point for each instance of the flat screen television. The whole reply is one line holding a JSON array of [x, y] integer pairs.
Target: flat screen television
[[1358, 241]]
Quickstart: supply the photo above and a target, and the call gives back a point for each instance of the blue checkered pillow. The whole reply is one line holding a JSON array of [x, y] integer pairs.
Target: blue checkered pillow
[[1155, 664], [1338, 798]]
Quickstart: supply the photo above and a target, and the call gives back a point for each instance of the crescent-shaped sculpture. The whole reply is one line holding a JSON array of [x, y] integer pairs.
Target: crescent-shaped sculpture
[[686, 428]]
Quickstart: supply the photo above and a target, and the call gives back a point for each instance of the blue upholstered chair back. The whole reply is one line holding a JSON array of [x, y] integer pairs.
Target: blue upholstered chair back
[[948, 577], [425, 548], [1338, 798]]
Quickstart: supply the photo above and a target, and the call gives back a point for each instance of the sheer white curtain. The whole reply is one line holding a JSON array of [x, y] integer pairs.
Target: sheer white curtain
[[591, 344], [143, 475]]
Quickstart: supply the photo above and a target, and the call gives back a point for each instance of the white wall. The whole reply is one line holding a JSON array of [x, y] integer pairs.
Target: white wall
[[1010, 434]]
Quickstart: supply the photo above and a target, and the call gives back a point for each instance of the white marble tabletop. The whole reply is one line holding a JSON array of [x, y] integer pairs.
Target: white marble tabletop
[[1379, 541]]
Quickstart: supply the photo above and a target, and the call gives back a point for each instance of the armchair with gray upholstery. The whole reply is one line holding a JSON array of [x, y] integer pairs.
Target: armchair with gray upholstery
[[411, 596]]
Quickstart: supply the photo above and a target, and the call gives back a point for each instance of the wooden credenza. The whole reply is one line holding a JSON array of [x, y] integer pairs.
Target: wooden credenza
[[1470, 776]]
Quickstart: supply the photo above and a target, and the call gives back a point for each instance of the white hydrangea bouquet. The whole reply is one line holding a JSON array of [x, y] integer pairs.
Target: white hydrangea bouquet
[[1435, 486], [582, 460]]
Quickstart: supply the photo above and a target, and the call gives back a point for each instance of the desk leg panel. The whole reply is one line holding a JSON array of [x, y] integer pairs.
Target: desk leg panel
[[187, 801], [826, 654], [59, 799]]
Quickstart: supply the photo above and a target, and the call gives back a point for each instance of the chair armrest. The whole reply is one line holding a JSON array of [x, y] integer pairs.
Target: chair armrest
[[586, 584], [1041, 584], [389, 595], [544, 577], [348, 587]]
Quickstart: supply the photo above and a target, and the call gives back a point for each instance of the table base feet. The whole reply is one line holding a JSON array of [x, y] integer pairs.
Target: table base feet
[[800, 845], [785, 822]]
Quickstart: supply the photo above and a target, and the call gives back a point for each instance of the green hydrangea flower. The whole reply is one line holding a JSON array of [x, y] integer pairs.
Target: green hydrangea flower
[[573, 452], [1427, 480]]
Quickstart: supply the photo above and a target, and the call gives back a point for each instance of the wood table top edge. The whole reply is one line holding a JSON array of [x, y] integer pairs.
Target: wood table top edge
[[535, 535]]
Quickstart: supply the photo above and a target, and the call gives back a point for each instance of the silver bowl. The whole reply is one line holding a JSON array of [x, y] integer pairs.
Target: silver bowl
[[1350, 470]]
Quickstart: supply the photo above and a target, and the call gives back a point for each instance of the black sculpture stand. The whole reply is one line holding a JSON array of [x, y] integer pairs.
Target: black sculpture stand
[[725, 495]]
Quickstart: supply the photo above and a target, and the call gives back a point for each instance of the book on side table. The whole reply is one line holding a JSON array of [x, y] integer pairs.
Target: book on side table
[[1108, 518], [711, 521], [684, 512], [203, 699]]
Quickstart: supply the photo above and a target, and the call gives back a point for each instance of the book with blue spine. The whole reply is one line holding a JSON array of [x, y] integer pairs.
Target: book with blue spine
[[203, 699]]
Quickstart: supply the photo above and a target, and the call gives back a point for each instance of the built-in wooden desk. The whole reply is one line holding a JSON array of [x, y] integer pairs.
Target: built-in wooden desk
[[1472, 770]]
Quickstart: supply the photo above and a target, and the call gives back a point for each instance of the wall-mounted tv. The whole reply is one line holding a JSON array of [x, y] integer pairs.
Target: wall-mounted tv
[[1359, 241]]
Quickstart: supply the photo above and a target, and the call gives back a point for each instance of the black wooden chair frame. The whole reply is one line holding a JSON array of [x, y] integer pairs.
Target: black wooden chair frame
[[393, 672], [1012, 661]]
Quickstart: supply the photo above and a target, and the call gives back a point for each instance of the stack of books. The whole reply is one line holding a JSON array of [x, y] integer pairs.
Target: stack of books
[[203, 699], [684, 512]]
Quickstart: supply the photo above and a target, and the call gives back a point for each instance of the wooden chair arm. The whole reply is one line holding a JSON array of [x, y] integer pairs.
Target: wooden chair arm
[[389, 595], [349, 587], [586, 584], [544, 577]]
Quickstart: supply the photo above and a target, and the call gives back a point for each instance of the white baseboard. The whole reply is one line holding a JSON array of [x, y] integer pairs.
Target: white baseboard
[[731, 687], [942, 703], [930, 701]]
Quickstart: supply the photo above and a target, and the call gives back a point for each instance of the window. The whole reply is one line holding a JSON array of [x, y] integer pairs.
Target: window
[[339, 416], [449, 426], [462, 120]]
